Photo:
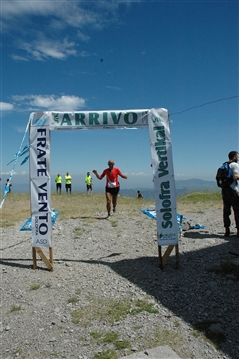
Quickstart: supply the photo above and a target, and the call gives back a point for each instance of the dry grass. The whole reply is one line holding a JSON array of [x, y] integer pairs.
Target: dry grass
[[199, 201], [83, 205], [16, 207]]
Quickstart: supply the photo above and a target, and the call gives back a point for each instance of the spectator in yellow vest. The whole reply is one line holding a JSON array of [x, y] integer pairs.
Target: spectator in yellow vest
[[68, 182], [89, 183], [58, 181]]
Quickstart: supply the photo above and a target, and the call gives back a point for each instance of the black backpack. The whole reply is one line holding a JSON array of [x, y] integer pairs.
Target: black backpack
[[224, 175]]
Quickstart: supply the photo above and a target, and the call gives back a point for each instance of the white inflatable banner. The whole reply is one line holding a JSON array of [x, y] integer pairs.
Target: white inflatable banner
[[96, 119], [40, 180], [164, 184]]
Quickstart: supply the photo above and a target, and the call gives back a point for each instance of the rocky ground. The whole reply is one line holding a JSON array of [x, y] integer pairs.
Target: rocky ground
[[107, 297]]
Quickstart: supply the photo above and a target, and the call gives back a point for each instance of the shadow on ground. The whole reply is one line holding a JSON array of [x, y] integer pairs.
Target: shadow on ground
[[198, 292], [209, 291]]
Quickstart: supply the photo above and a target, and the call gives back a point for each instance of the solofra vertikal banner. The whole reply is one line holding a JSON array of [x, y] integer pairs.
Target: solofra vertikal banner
[[164, 184], [39, 139]]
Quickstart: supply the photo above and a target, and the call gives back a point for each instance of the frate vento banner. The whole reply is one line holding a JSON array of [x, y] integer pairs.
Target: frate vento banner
[[40, 187]]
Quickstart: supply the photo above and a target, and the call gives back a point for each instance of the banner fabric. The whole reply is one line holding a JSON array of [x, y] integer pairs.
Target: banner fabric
[[164, 184]]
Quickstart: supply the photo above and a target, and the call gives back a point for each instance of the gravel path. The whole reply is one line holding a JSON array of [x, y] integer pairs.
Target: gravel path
[[105, 270]]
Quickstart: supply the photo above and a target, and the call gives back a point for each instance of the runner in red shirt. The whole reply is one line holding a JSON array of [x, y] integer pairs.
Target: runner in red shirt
[[112, 184]]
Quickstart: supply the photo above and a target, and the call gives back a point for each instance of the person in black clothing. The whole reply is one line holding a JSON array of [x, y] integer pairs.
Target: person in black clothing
[[139, 195], [230, 195]]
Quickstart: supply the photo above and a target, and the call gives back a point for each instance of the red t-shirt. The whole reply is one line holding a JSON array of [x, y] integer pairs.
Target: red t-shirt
[[111, 177]]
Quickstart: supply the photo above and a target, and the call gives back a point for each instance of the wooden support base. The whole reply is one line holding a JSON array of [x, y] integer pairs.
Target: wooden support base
[[163, 258], [48, 262]]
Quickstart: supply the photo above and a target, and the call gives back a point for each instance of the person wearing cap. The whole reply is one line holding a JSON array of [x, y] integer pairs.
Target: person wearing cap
[[58, 181], [112, 184], [89, 183], [68, 179]]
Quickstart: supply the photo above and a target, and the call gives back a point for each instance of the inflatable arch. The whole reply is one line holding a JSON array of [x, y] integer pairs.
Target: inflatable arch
[[157, 121]]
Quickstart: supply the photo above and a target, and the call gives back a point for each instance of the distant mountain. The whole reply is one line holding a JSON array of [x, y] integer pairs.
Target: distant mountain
[[183, 187], [196, 183]]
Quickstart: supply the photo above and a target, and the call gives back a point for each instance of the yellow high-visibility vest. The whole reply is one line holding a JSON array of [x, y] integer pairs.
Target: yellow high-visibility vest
[[58, 179], [88, 180], [68, 179]]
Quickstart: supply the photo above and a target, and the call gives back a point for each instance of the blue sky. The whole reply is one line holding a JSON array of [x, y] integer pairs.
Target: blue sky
[[119, 55]]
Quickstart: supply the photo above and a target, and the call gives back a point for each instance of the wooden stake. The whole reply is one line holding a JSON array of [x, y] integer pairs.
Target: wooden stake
[[48, 262], [177, 256], [163, 258], [34, 257]]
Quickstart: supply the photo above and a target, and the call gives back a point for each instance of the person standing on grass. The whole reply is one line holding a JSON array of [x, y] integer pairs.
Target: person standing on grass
[[230, 195], [112, 184], [89, 183], [68, 179], [58, 181]]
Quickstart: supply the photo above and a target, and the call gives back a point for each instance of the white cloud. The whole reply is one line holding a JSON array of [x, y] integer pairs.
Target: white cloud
[[19, 58], [22, 173], [55, 14], [84, 54], [50, 102], [6, 106], [52, 20], [139, 174], [82, 36], [13, 8], [114, 88], [20, 129], [49, 49], [71, 13]]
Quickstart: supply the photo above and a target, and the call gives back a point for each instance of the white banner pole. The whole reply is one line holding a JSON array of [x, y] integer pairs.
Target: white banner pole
[[40, 186], [164, 184]]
